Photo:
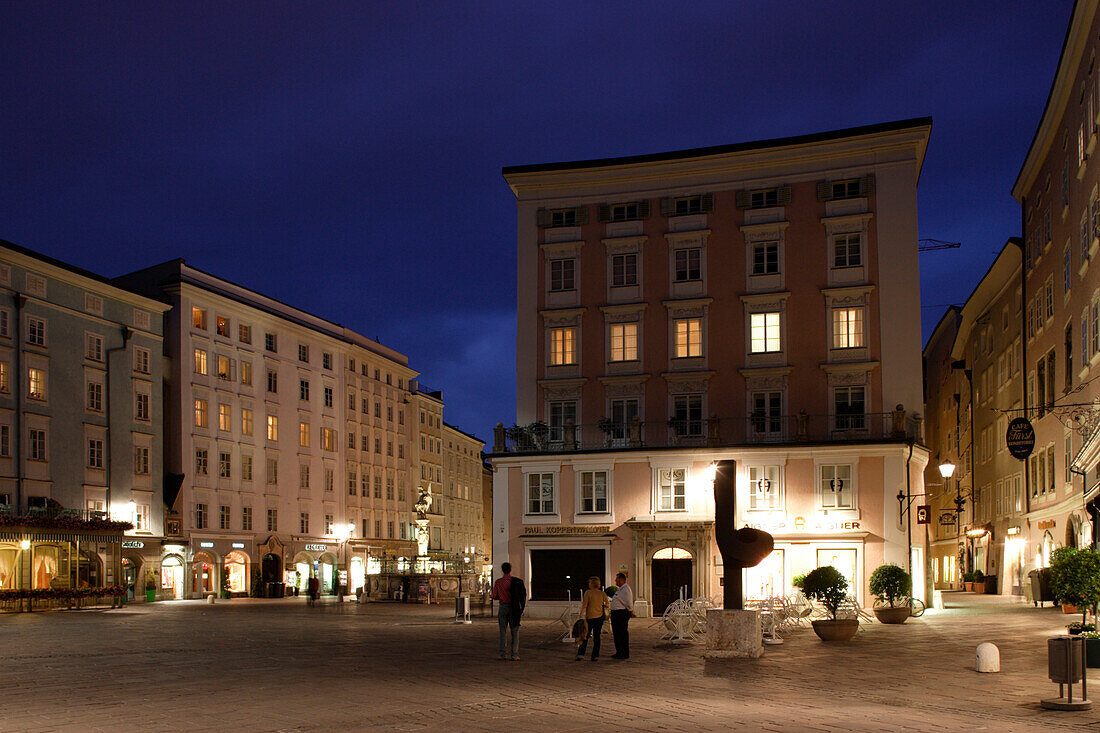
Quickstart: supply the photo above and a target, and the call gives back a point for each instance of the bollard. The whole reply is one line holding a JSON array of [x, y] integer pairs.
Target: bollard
[[210, 600], [987, 658]]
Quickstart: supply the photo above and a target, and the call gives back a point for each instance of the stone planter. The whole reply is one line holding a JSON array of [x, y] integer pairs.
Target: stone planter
[[896, 615], [836, 630], [1092, 653], [979, 586], [150, 595]]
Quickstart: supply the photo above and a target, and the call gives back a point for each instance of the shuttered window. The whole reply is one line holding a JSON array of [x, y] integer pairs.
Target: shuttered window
[[763, 198], [570, 217], [848, 188], [624, 211]]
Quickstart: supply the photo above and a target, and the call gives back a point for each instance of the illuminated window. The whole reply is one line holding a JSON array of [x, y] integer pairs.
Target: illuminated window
[[272, 427], [225, 368], [689, 338], [246, 373], [847, 328], [36, 383], [303, 434], [764, 332], [200, 362], [836, 487], [624, 342], [246, 421], [221, 326], [201, 419], [328, 439], [563, 346], [765, 490], [225, 417], [198, 318]]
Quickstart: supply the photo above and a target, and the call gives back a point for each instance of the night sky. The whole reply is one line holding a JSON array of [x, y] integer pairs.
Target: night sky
[[345, 158]]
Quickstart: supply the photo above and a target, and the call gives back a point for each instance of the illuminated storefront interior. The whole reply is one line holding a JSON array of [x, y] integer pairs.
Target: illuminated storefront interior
[[236, 567]]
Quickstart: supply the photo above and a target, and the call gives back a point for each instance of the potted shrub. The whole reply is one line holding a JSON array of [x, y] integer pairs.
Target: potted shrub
[[1075, 579], [225, 583], [1077, 627], [979, 581], [798, 580], [891, 585], [151, 586], [828, 586], [1092, 648]]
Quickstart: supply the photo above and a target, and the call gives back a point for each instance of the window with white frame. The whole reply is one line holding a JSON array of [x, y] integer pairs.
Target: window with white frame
[[593, 492], [689, 338], [764, 333], [765, 488], [562, 275], [93, 347], [141, 460], [687, 410], [624, 270], [141, 360], [837, 491], [560, 413], [671, 489], [563, 346], [847, 250], [767, 412], [688, 265], [624, 341], [540, 493], [765, 258], [36, 331], [848, 408], [848, 328]]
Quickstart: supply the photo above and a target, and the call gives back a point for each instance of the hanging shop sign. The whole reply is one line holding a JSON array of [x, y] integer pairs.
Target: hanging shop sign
[[947, 519], [316, 548], [132, 544], [924, 514], [1020, 438]]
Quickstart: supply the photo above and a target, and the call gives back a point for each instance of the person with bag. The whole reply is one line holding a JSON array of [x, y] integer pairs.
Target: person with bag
[[511, 593], [622, 610], [594, 607]]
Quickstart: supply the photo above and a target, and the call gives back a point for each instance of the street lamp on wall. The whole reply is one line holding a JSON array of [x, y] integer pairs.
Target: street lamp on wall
[[947, 469]]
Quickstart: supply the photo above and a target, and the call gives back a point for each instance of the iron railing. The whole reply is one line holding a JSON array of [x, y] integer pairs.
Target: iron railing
[[714, 431]]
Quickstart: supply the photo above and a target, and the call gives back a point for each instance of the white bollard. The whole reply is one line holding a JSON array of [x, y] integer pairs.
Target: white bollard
[[987, 658], [210, 600]]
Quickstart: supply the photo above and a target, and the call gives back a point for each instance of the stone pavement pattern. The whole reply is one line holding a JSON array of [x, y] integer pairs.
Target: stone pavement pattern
[[250, 665]]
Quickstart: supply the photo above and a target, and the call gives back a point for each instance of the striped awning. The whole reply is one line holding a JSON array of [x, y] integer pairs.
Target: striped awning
[[37, 534]]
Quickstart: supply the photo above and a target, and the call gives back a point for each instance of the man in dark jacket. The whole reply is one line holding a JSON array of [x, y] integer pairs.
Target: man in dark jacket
[[511, 593]]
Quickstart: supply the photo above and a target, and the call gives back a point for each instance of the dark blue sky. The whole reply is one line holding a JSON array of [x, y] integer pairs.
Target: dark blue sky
[[345, 158]]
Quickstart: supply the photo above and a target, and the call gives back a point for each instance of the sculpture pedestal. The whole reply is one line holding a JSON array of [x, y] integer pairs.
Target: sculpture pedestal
[[733, 634]]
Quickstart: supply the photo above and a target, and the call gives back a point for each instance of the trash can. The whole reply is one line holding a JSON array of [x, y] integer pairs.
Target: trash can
[[462, 610], [1065, 659]]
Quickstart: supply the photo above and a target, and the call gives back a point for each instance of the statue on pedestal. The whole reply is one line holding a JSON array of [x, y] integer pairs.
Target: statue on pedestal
[[424, 502]]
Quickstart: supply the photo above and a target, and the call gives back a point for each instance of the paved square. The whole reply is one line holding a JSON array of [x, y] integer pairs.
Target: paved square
[[255, 665]]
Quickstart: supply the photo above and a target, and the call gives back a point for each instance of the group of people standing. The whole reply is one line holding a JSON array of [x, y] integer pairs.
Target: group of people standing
[[511, 593]]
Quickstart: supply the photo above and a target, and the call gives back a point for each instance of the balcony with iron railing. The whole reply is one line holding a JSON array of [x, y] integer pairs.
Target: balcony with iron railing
[[715, 431]]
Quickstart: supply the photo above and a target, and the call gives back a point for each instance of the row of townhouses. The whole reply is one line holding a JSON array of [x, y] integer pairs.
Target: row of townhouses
[[756, 302], [249, 443], [1025, 345]]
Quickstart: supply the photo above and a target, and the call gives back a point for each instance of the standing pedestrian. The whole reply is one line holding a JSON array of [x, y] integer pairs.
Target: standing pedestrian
[[313, 587], [622, 610], [511, 593], [593, 611]]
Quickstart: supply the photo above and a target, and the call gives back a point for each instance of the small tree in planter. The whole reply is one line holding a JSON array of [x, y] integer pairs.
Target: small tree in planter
[[892, 586], [968, 580], [1075, 579], [829, 586], [979, 581]]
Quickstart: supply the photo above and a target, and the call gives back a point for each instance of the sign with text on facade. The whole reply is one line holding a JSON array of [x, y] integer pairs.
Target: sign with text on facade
[[552, 529], [802, 524], [924, 514], [1048, 524], [1020, 438], [316, 548], [132, 544]]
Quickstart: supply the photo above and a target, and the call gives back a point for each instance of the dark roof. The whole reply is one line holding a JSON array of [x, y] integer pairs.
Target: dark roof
[[460, 430], [721, 149], [71, 268]]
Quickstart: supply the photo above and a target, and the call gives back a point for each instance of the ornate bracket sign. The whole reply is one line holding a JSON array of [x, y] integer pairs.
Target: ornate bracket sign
[[924, 514], [1020, 438]]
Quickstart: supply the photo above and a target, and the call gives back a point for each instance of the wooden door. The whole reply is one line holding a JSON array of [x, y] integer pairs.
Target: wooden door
[[669, 578]]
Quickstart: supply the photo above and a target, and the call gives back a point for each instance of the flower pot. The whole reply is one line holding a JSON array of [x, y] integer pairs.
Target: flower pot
[[968, 585], [1068, 608], [979, 586], [1092, 652], [836, 629], [895, 615], [150, 594]]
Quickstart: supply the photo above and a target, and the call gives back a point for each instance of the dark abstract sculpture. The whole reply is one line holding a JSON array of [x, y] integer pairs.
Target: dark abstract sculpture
[[740, 548]]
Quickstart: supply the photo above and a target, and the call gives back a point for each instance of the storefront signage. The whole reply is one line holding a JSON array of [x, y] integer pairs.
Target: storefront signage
[[556, 529], [132, 544], [1048, 524], [1020, 438], [316, 548], [818, 524], [947, 519], [238, 545], [924, 514], [206, 544]]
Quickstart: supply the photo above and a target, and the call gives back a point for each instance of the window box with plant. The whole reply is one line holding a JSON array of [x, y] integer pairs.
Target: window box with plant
[[891, 586], [828, 586]]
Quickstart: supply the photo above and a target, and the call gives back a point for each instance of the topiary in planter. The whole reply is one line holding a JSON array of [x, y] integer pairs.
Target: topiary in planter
[[1075, 577], [829, 586], [892, 586]]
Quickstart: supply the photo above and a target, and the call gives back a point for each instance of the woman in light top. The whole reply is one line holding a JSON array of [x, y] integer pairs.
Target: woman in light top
[[594, 606]]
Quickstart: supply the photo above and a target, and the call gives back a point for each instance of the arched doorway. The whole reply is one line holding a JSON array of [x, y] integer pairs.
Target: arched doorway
[[357, 576], [671, 577], [236, 568], [171, 576], [1073, 532], [326, 571], [129, 577], [303, 571], [203, 575], [1045, 549]]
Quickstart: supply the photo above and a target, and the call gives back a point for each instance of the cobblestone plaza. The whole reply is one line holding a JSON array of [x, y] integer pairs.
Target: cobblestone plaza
[[248, 665]]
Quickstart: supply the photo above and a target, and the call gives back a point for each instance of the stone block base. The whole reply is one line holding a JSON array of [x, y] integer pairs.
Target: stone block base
[[733, 634]]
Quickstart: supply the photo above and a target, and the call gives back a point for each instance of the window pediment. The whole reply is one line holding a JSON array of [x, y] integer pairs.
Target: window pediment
[[624, 245], [559, 250]]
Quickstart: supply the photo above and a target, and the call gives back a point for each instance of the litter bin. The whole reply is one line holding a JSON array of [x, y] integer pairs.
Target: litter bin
[[1066, 667], [462, 610]]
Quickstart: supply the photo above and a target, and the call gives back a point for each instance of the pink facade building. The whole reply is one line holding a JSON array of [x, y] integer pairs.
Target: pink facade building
[[756, 302]]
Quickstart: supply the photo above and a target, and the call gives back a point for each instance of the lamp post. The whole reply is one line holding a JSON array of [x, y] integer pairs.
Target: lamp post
[[947, 470]]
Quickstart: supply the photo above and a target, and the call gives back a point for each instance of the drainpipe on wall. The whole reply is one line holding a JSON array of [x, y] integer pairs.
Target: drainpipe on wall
[[17, 387], [126, 334]]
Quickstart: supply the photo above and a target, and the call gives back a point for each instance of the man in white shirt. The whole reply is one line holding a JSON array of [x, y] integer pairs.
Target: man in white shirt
[[622, 610]]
